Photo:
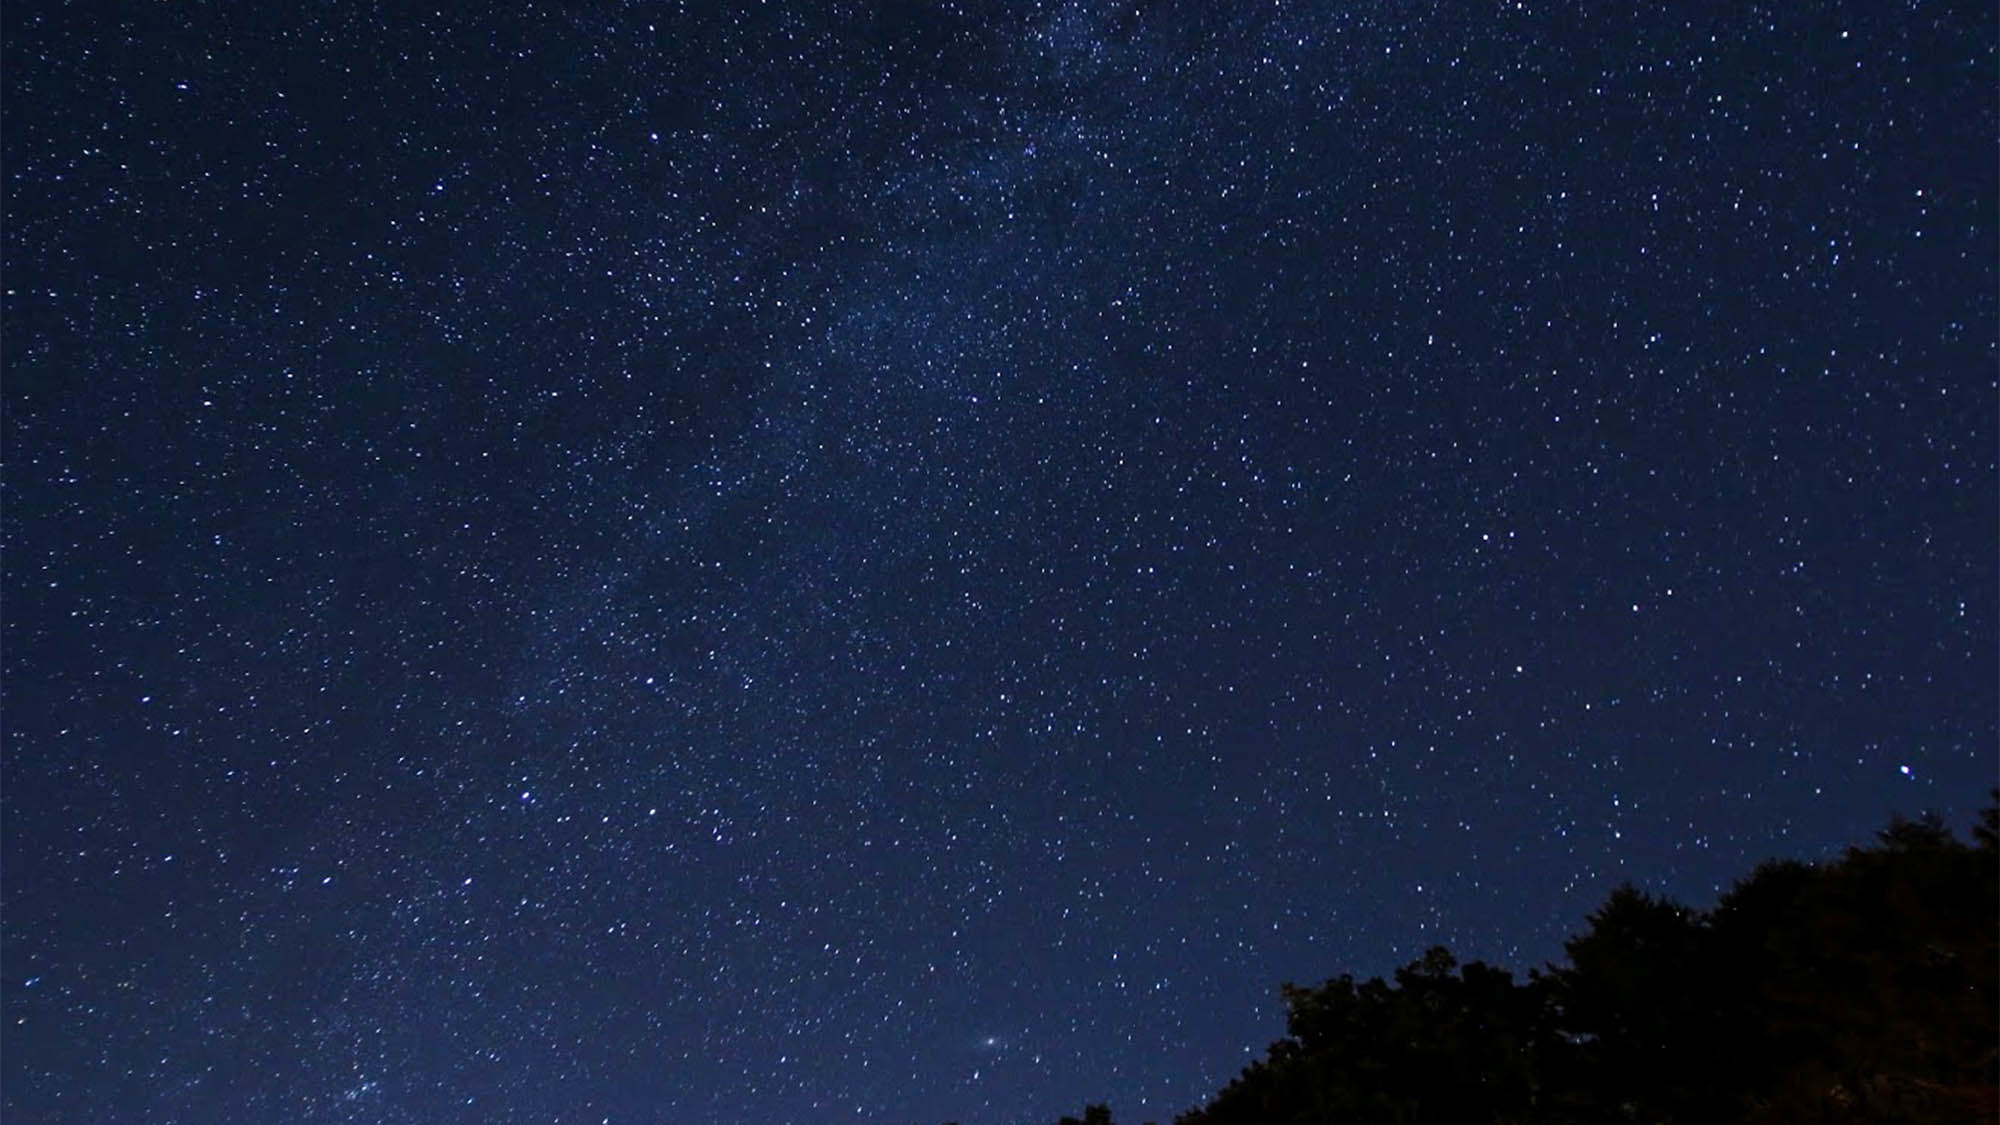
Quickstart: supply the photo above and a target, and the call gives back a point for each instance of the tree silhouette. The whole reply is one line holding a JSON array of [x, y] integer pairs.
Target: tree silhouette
[[1857, 992], [1444, 1043], [1626, 1007]]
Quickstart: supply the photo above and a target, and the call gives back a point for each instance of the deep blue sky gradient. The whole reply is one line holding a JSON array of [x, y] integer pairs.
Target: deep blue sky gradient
[[909, 562]]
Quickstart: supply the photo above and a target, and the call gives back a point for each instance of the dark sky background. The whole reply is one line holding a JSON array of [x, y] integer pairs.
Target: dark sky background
[[904, 562]]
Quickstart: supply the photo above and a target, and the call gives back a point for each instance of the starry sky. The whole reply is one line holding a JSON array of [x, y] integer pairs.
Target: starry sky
[[909, 561]]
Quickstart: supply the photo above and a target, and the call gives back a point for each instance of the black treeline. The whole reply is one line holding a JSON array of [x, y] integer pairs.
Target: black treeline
[[1861, 990]]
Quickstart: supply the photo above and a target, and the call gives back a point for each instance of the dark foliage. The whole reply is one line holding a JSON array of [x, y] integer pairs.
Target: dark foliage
[[1856, 991]]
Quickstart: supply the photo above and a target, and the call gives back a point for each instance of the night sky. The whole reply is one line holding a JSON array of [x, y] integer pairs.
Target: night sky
[[905, 562]]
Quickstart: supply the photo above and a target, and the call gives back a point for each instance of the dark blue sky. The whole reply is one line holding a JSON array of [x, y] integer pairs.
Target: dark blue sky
[[910, 562]]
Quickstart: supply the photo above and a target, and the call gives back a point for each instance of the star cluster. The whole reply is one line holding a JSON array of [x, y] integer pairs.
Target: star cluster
[[909, 562]]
